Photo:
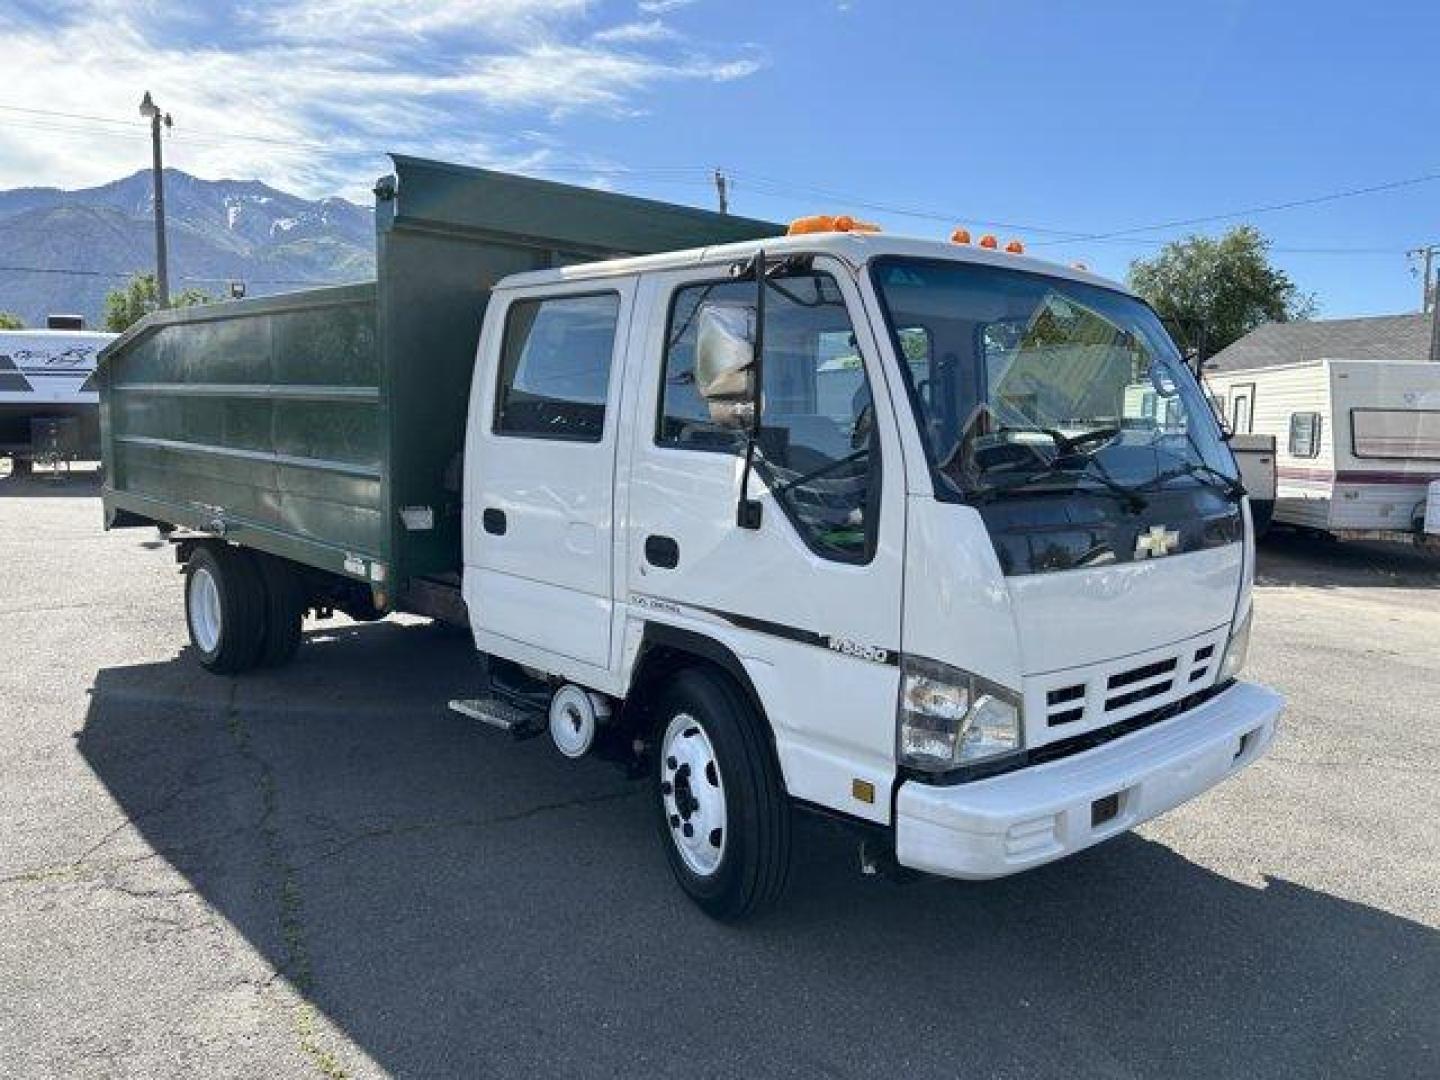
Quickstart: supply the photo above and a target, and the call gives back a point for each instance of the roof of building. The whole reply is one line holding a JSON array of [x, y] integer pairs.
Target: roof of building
[[1382, 337]]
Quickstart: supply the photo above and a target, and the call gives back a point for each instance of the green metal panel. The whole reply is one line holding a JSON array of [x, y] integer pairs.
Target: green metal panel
[[264, 415], [306, 422]]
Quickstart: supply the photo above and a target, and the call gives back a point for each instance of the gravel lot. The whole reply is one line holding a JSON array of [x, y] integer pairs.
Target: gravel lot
[[323, 872]]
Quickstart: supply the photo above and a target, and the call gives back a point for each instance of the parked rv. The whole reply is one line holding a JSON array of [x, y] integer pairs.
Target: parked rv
[[49, 407], [829, 520], [1357, 441]]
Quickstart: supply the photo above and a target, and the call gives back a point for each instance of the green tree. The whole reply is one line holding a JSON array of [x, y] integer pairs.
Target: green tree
[[138, 297], [1225, 287], [11, 321]]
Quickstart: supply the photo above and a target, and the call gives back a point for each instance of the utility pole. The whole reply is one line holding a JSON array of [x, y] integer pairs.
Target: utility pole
[[1428, 289], [151, 112], [1430, 295], [722, 186]]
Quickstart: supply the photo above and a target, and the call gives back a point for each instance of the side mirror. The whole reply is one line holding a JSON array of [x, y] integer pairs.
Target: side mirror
[[725, 362]]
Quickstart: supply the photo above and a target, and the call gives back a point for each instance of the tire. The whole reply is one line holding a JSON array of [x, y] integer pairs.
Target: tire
[[284, 611], [723, 815], [224, 608]]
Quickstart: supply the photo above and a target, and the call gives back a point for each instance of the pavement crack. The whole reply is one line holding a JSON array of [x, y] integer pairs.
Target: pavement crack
[[295, 965], [187, 784]]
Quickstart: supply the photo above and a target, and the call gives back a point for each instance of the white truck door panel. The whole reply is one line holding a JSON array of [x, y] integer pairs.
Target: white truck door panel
[[817, 627], [540, 505]]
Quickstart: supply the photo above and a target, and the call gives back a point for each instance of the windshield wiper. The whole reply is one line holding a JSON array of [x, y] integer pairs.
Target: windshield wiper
[[1228, 485], [1130, 498]]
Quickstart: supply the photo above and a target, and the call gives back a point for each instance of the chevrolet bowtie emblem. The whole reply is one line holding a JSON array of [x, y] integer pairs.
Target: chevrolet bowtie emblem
[[1155, 542]]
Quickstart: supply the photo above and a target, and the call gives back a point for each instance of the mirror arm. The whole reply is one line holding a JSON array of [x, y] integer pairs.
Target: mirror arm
[[748, 511]]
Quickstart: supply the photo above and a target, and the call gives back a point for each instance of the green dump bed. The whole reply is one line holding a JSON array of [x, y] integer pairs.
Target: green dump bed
[[303, 424]]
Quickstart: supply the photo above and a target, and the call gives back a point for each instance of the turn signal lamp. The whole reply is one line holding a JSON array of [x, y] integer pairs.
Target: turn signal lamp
[[1015, 247], [821, 223], [989, 241], [960, 236]]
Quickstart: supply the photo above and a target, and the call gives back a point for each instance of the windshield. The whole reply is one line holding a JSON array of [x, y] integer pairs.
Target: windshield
[[1027, 382]]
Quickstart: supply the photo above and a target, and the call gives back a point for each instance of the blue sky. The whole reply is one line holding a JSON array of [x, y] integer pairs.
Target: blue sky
[[1073, 118]]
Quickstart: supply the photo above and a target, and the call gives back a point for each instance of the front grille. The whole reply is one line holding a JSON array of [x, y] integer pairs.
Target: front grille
[[1110, 693], [1149, 671], [1091, 739]]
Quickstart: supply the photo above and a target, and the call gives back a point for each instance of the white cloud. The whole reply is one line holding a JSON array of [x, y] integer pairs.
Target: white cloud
[[320, 88], [659, 7], [630, 33], [567, 78]]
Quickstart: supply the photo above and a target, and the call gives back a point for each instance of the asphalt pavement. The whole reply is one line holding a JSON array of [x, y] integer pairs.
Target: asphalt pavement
[[322, 871]]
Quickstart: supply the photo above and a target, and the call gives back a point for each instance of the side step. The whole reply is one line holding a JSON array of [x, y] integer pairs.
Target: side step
[[499, 713]]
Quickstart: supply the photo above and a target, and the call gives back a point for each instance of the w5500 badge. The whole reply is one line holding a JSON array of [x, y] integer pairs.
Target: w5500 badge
[[873, 653]]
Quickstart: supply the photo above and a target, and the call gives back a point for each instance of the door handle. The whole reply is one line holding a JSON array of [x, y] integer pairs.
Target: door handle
[[662, 551], [494, 521]]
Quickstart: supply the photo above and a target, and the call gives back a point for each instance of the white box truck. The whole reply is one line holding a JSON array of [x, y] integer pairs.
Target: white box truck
[[832, 521]]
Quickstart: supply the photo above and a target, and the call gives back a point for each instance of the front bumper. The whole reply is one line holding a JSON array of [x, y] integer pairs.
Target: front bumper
[[990, 828]]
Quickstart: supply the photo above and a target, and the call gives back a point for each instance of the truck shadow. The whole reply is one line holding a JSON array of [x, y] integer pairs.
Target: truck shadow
[[462, 905], [1289, 557]]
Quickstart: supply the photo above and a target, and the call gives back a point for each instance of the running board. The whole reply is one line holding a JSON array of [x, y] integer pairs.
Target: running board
[[498, 713]]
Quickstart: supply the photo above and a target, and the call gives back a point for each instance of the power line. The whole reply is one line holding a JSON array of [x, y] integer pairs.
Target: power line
[[203, 136], [770, 185], [1292, 204], [1065, 236]]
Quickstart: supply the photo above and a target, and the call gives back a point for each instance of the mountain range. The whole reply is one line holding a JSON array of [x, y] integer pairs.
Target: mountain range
[[61, 251]]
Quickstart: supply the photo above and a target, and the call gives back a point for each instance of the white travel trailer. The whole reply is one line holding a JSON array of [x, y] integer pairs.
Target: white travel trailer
[[1357, 441], [48, 401]]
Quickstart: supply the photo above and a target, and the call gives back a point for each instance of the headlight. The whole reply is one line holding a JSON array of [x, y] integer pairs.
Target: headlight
[[1238, 649], [948, 717]]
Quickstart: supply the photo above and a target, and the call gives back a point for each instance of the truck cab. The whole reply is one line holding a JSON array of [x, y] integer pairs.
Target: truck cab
[[940, 539]]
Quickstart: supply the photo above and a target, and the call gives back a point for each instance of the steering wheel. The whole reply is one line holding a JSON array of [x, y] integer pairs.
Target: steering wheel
[[1068, 444], [823, 470]]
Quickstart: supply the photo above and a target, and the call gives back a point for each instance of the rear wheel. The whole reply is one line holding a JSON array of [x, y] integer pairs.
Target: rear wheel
[[284, 610], [224, 608], [723, 814]]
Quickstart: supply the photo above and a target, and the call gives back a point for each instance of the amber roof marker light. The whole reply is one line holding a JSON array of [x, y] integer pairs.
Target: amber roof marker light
[[823, 223]]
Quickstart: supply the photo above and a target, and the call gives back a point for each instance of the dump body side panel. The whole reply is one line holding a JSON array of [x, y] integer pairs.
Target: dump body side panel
[[260, 420]]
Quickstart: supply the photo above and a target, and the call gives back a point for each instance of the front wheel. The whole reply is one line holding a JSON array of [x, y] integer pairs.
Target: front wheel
[[723, 813]]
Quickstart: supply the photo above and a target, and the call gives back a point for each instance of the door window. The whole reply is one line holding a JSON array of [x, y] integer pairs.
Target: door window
[[555, 367], [818, 449]]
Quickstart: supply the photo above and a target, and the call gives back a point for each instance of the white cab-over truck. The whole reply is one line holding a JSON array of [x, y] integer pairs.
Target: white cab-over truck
[[831, 521]]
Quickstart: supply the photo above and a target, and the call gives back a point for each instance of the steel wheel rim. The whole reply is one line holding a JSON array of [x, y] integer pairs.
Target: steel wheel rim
[[205, 610], [692, 795]]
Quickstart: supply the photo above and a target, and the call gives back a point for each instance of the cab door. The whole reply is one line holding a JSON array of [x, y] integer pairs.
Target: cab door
[[809, 601], [539, 534]]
